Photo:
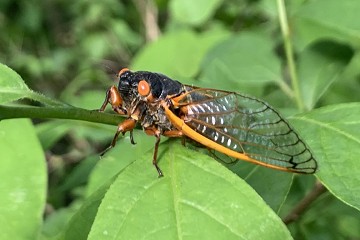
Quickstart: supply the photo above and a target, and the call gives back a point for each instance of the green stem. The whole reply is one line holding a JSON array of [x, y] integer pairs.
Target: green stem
[[8, 112], [289, 53]]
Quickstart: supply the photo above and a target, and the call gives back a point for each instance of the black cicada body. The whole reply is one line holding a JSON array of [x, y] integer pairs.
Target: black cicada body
[[233, 124]]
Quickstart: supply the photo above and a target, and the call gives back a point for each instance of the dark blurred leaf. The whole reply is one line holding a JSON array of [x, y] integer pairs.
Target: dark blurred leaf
[[79, 175], [51, 132], [319, 66], [327, 19]]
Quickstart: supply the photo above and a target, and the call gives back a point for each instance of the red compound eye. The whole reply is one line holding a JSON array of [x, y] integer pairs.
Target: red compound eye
[[143, 88]]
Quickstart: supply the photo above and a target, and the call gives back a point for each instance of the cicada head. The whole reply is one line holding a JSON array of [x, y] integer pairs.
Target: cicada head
[[135, 90], [141, 92], [126, 86]]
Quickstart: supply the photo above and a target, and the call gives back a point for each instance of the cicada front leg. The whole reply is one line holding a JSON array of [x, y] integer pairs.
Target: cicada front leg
[[126, 126], [114, 99]]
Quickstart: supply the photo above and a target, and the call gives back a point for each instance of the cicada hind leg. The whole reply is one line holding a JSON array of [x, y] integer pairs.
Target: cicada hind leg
[[156, 132], [154, 161]]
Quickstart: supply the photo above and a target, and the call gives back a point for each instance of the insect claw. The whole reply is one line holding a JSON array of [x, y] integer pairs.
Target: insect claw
[[105, 151], [183, 141], [132, 138], [159, 171]]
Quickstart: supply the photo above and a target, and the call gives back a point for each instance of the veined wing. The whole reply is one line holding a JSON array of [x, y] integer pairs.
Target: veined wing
[[248, 128]]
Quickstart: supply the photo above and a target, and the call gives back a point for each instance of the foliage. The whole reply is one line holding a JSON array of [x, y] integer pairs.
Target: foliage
[[232, 45]]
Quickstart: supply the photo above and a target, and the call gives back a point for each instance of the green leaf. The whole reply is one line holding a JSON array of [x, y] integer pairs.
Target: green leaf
[[196, 199], [123, 154], [80, 224], [333, 134], [193, 12], [23, 180], [242, 61], [177, 54], [55, 223], [319, 66], [12, 87], [327, 19], [272, 185], [79, 174], [94, 45], [50, 132]]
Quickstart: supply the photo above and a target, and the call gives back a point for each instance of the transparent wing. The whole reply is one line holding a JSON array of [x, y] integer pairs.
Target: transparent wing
[[247, 125]]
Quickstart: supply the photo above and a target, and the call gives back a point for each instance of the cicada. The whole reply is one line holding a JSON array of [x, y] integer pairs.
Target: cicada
[[230, 123]]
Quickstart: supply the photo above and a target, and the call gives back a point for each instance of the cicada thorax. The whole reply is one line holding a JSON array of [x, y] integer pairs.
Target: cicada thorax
[[142, 93]]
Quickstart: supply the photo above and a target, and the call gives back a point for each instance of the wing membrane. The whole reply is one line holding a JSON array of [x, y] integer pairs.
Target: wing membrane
[[248, 126]]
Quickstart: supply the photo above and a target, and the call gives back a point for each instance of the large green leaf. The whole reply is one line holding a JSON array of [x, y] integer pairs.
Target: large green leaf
[[193, 12], [241, 61], [177, 54], [23, 180], [333, 133], [196, 199], [327, 19]]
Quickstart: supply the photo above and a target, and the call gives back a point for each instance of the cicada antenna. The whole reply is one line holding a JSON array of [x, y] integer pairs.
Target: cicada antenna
[[110, 69]]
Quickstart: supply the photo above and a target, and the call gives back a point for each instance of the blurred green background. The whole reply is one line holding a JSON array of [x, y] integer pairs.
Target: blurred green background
[[69, 50]]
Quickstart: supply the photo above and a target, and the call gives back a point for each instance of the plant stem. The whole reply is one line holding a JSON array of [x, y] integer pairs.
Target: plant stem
[[289, 53], [8, 112], [303, 205]]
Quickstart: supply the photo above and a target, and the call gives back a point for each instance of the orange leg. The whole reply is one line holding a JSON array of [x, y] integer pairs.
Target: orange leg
[[125, 126], [173, 133], [113, 97]]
